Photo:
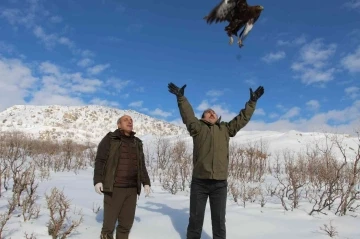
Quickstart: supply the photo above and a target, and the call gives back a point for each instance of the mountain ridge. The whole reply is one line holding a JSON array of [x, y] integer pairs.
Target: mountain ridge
[[91, 122]]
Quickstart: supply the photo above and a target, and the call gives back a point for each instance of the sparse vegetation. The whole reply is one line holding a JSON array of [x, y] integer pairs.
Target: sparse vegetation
[[325, 175]]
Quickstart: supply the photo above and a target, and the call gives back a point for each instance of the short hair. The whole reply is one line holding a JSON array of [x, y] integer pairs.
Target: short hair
[[205, 111], [118, 121]]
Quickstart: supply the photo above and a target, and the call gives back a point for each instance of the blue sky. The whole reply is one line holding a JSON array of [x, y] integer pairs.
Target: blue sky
[[124, 53]]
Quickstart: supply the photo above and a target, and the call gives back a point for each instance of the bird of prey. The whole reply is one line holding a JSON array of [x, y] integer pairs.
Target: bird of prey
[[239, 14]]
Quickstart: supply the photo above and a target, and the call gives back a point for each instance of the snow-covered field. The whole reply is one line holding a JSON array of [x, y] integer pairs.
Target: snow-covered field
[[163, 215]]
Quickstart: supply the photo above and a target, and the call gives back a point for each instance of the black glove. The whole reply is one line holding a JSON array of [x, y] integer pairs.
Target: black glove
[[176, 90], [254, 96]]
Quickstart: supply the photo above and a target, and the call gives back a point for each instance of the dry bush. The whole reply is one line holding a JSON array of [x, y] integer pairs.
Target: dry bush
[[248, 162], [183, 159], [96, 208], [247, 169], [30, 210], [27, 236], [177, 174], [328, 176], [349, 193], [163, 152], [292, 180], [5, 216], [170, 181], [60, 224], [150, 162], [330, 230]]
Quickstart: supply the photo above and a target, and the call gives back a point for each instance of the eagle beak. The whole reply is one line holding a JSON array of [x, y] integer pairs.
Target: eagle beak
[[261, 7]]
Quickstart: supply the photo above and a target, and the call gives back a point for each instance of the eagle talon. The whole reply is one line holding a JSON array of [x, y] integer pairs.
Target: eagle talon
[[240, 43], [231, 40]]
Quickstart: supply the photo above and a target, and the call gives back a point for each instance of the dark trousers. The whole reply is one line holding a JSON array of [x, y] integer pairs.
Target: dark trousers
[[200, 191], [119, 206]]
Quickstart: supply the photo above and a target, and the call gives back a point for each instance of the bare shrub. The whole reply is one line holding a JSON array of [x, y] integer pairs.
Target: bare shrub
[[233, 188], [60, 224], [170, 180], [96, 208], [29, 209], [330, 230], [150, 162], [349, 193], [163, 152], [248, 162], [5, 216], [182, 158], [27, 236], [326, 179]]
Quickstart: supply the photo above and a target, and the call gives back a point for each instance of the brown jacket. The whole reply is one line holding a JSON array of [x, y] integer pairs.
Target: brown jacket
[[107, 159]]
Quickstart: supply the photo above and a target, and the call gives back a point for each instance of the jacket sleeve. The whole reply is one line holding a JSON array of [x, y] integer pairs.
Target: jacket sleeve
[[239, 121], [145, 179], [188, 116], [102, 155]]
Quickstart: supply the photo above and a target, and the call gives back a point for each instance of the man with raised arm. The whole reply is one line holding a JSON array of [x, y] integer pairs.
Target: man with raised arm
[[211, 138]]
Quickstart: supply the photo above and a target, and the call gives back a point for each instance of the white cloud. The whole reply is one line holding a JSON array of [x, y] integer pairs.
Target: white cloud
[[55, 99], [292, 119], [273, 115], [351, 62], [5, 47], [56, 19], [160, 112], [117, 84], [32, 16], [53, 85], [136, 104], [313, 104], [259, 111], [140, 89], [97, 69], [291, 113], [312, 66], [225, 114], [98, 101], [215, 93], [331, 121], [353, 4], [16, 82], [353, 92], [295, 42], [85, 62], [274, 56]]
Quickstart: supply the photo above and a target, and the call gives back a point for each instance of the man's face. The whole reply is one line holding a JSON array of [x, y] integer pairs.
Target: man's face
[[210, 116], [126, 123]]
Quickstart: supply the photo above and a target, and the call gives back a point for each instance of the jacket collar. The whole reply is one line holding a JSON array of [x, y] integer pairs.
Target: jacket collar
[[119, 133]]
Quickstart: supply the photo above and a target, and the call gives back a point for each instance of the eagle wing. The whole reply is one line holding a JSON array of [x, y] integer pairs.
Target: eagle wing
[[225, 10]]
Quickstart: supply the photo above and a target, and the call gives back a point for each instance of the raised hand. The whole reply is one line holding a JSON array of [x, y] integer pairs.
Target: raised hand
[[176, 90], [254, 96]]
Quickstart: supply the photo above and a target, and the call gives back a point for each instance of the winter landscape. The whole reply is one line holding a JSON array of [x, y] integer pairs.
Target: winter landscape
[[69, 69], [281, 184]]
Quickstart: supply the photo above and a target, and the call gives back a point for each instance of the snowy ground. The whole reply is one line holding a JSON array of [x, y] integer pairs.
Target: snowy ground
[[163, 215]]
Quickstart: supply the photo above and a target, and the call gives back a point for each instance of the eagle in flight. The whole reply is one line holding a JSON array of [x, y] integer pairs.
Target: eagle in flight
[[239, 14]]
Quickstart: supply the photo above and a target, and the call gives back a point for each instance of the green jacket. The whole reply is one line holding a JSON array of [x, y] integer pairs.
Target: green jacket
[[211, 141], [106, 162]]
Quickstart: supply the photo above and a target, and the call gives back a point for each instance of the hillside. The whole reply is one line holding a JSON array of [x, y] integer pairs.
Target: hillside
[[79, 122]]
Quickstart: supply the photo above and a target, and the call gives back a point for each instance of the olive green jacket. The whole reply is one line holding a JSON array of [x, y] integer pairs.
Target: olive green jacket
[[211, 141], [107, 158]]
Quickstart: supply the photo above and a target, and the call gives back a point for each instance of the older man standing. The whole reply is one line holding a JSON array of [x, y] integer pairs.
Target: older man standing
[[118, 174], [210, 160]]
